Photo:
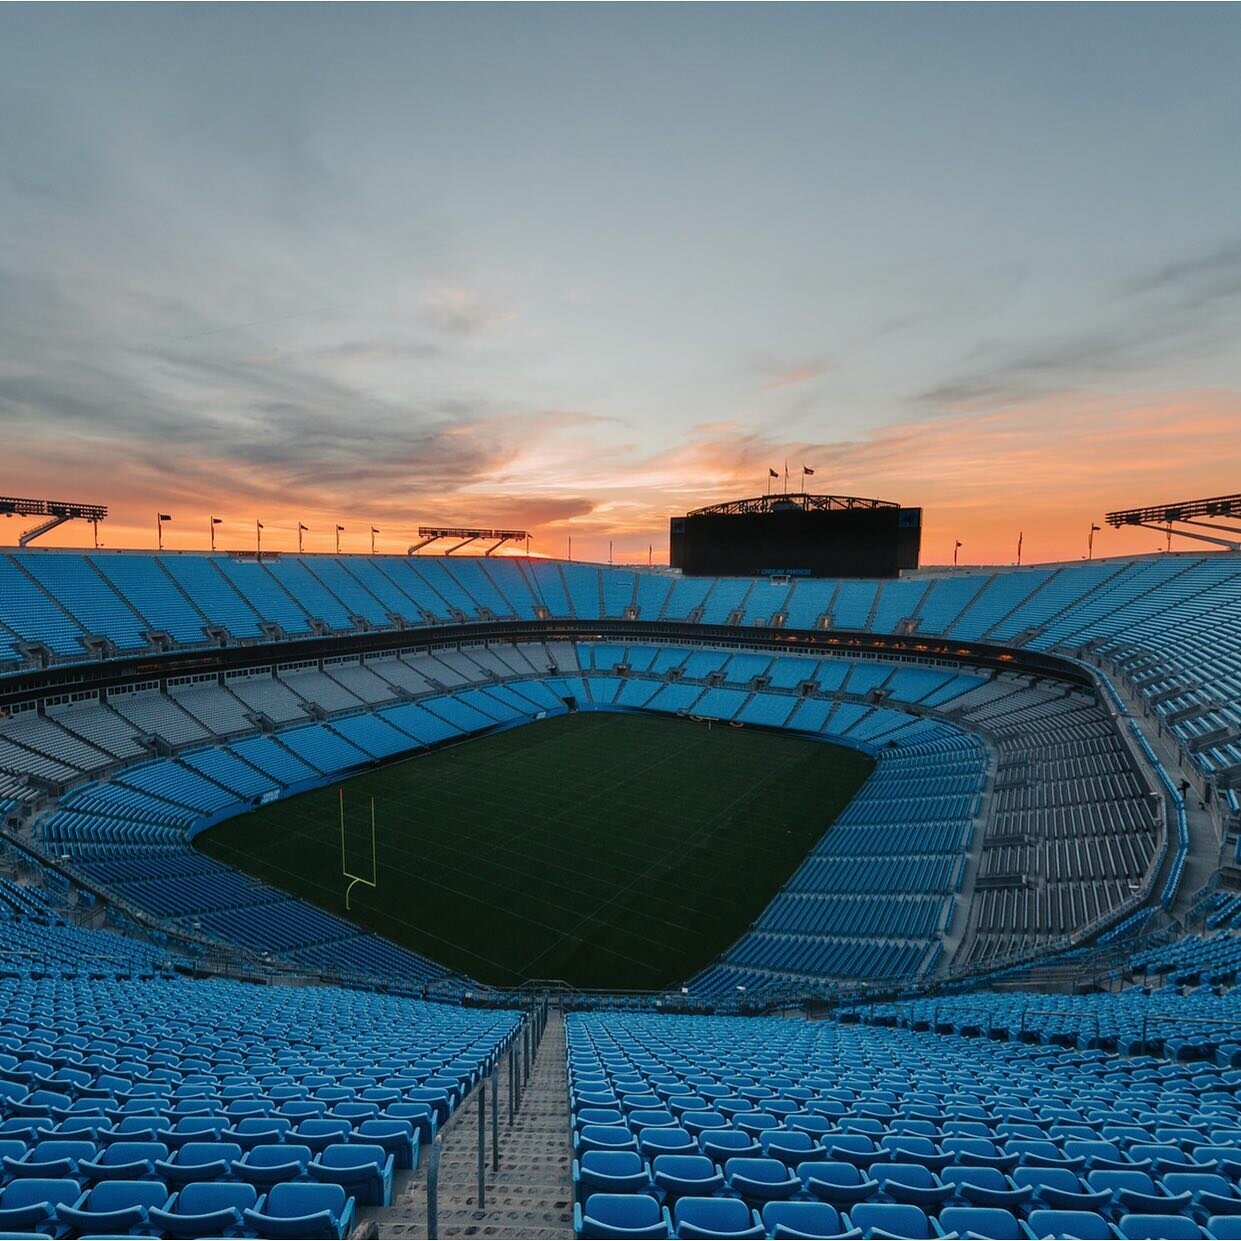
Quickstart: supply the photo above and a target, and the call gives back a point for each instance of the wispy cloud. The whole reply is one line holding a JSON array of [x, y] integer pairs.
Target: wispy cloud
[[795, 375], [459, 312], [1169, 313]]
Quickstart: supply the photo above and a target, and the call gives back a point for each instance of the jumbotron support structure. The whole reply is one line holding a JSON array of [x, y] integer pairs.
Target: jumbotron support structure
[[1171, 519], [55, 512], [466, 535]]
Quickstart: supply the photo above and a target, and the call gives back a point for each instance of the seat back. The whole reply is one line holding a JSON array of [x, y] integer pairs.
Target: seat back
[[991, 1222], [203, 1197], [896, 1219], [295, 1199]]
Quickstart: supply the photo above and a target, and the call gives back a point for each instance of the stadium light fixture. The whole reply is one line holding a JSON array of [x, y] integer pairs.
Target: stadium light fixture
[[466, 535], [56, 513], [1164, 517]]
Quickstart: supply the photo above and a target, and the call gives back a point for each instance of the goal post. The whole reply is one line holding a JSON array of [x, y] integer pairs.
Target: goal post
[[345, 872]]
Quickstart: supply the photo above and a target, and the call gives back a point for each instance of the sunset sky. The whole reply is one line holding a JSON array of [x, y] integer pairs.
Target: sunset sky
[[580, 268]]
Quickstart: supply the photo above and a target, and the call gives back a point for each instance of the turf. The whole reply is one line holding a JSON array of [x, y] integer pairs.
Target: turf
[[606, 850]]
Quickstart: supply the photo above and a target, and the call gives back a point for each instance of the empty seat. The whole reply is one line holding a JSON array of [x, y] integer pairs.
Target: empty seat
[[31, 1204], [910, 1182], [297, 1211], [124, 1161], [396, 1136], [985, 1187], [269, 1165], [994, 1223], [114, 1207], [363, 1169], [1084, 1225], [198, 1161], [715, 1217], [677, 1176], [760, 1179], [840, 1184], [604, 1138], [891, 1219], [800, 1221], [1158, 1228], [610, 1172], [206, 1209], [619, 1216]]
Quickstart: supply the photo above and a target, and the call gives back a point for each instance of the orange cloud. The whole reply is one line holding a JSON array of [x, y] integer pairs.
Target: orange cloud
[[1046, 470], [795, 375]]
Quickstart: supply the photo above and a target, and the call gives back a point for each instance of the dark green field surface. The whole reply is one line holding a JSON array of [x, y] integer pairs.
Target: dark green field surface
[[607, 850]]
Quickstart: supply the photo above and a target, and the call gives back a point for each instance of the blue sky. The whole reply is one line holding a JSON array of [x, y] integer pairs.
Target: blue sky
[[580, 267]]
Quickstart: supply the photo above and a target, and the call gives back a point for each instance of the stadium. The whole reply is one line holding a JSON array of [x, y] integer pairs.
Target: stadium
[[354, 892], [595, 637]]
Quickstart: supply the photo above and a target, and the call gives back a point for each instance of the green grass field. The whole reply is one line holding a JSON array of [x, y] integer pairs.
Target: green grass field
[[607, 850]]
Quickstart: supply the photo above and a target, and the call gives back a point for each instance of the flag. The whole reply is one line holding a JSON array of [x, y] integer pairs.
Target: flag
[[1096, 528], [773, 473], [959, 543], [374, 531], [301, 527], [805, 469], [215, 521], [259, 524], [165, 516], [339, 529]]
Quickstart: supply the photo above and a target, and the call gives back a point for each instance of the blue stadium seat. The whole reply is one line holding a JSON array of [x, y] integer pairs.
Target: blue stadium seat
[[115, 1207], [715, 1217], [994, 1223], [123, 1161], [891, 1219], [206, 1209], [619, 1216], [760, 1179], [677, 1176], [31, 1204], [1083, 1225], [838, 1183], [396, 1136], [265, 1166], [198, 1161], [302, 1212], [1158, 1228], [801, 1221], [610, 1172], [363, 1169]]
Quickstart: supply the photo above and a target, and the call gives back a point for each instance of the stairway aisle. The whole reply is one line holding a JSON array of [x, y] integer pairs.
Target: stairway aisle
[[532, 1194]]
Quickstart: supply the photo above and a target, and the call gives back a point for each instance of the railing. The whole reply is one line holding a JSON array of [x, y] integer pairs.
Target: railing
[[521, 1050]]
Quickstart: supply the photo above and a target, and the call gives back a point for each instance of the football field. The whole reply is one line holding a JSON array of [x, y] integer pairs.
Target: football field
[[605, 850]]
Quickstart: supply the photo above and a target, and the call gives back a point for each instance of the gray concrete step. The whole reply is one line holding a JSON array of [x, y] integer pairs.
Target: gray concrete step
[[531, 1195]]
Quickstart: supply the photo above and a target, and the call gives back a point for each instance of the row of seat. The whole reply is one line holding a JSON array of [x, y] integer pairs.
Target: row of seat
[[731, 1219], [55, 1208]]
